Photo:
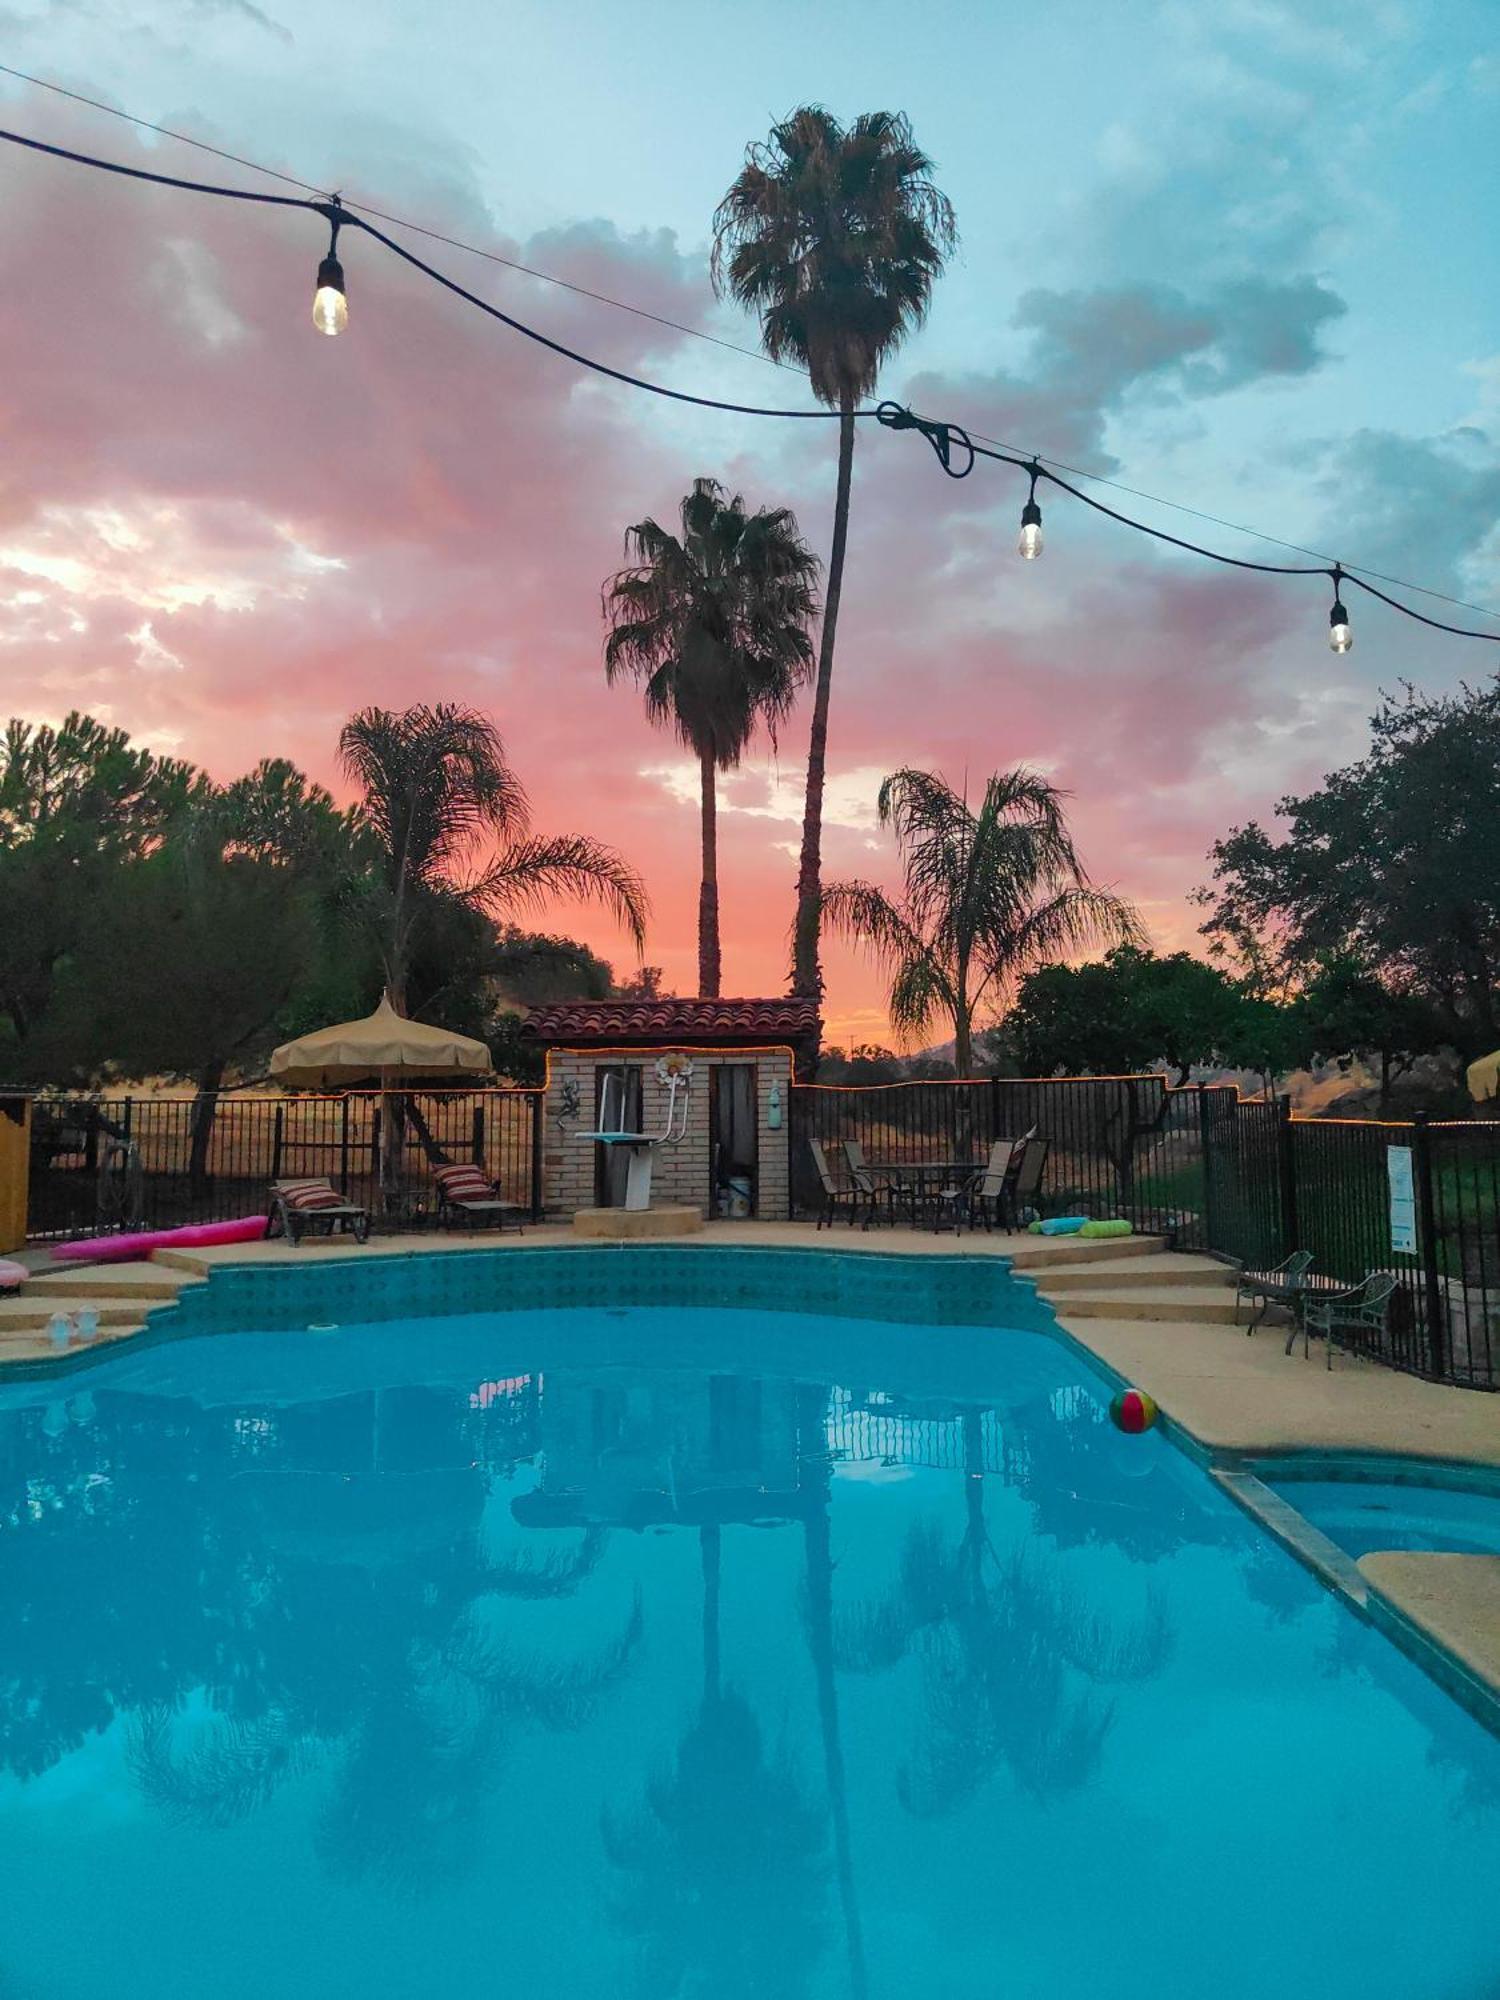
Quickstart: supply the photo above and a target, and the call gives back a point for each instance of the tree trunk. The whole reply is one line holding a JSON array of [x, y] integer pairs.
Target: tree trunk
[[708, 893], [807, 975], [205, 1105], [963, 1042]]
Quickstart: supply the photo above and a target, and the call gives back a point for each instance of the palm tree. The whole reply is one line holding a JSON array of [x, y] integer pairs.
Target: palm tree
[[451, 824], [989, 895], [715, 628], [834, 236]]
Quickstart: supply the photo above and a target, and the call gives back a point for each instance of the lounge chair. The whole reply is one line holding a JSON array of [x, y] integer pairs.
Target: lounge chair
[[1350, 1318], [298, 1207], [858, 1200], [1025, 1189], [1277, 1286], [469, 1192]]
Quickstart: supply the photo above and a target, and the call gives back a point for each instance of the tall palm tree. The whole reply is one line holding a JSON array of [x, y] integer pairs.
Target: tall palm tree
[[834, 235], [989, 895], [714, 626], [450, 823]]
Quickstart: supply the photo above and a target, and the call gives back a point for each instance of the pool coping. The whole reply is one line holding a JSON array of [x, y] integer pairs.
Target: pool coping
[[1390, 1602]]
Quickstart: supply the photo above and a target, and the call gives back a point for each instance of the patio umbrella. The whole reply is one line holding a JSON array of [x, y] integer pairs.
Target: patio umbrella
[[1484, 1077], [385, 1045]]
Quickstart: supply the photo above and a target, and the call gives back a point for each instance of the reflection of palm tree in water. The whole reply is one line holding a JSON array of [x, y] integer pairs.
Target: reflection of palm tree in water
[[723, 1862], [416, 1736], [1002, 1645]]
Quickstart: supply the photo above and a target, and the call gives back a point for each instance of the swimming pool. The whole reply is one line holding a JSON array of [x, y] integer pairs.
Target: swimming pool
[[691, 1650]]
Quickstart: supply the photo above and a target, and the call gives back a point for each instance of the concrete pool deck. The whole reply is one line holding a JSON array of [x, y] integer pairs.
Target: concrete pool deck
[[1159, 1319]]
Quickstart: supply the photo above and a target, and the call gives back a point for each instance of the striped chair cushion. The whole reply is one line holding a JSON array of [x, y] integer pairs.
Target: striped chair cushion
[[465, 1184], [309, 1194]]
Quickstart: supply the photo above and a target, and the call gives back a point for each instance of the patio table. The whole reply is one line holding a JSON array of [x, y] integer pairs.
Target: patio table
[[924, 1180]]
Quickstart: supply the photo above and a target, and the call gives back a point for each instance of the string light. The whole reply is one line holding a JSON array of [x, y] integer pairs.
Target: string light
[[330, 308], [955, 449], [1340, 637], [1029, 545]]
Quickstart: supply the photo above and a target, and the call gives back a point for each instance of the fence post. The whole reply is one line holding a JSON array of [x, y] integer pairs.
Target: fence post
[[1286, 1174], [1427, 1243], [278, 1123], [538, 1099], [344, 1145], [476, 1133], [1210, 1231]]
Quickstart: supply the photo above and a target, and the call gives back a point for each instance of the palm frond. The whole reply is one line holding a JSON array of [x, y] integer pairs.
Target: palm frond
[[529, 873]]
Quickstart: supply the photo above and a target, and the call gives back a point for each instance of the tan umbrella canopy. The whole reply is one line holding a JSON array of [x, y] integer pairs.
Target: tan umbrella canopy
[[383, 1044], [1484, 1077]]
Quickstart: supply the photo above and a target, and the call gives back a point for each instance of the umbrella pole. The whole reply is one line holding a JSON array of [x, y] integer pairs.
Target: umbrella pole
[[390, 1145]]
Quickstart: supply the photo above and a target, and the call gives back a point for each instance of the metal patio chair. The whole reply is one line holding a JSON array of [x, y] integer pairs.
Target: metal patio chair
[[856, 1200], [1356, 1318], [1277, 1286], [883, 1183]]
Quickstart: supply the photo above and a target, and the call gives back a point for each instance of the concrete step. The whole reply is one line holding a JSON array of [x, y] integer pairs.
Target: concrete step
[[1031, 1253], [105, 1281], [35, 1344], [23, 1314], [1169, 1268], [1210, 1304]]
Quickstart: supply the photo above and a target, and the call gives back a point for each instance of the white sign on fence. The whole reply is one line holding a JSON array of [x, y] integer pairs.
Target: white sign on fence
[[1398, 1167]]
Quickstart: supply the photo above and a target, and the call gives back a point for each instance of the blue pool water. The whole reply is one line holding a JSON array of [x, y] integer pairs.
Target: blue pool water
[[691, 1652], [1360, 1515]]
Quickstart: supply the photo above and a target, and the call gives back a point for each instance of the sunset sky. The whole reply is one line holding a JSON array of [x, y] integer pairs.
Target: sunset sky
[[1242, 255]]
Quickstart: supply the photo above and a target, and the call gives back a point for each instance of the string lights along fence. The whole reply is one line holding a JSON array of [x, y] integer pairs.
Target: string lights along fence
[[956, 449]]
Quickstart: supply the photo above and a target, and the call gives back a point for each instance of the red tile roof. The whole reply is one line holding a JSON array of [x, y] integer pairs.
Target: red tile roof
[[669, 1023]]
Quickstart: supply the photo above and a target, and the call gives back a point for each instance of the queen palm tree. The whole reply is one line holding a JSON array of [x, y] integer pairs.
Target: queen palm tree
[[990, 894], [714, 626], [450, 823], [833, 235]]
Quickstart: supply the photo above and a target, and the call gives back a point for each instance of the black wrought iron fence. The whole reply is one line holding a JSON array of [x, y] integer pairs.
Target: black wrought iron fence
[[1239, 1177], [153, 1162]]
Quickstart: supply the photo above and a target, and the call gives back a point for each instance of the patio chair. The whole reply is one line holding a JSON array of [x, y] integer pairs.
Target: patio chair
[[303, 1206], [468, 1192], [1277, 1286], [884, 1183], [856, 1199], [1025, 1190], [1353, 1318], [984, 1194]]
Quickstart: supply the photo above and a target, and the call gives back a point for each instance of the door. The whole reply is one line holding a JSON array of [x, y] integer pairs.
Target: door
[[733, 1140], [617, 1091]]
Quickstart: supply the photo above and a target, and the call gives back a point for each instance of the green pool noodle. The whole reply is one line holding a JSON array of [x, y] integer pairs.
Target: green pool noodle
[[1118, 1228]]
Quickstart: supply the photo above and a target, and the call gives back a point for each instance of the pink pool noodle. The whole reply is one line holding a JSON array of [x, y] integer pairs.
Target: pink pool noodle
[[193, 1236]]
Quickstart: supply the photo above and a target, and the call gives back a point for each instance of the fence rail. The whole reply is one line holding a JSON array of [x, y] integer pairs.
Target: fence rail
[[1241, 1178], [153, 1162]]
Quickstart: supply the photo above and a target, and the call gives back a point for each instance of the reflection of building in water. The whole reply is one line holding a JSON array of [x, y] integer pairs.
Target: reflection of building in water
[[633, 1448]]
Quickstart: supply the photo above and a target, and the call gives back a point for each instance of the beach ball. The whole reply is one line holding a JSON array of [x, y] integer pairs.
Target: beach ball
[[1132, 1411]]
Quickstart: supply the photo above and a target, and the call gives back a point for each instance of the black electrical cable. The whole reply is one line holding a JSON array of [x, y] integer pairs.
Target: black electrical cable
[[351, 219], [956, 450]]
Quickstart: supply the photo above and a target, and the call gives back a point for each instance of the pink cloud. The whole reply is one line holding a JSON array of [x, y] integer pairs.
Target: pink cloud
[[226, 533]]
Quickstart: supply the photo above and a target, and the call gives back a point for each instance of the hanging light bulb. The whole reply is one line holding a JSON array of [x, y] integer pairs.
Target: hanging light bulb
[[1340, 636], [330, 301], [1029, 546]]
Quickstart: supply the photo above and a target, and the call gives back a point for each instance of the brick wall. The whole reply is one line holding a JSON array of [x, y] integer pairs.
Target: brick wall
[[680, 1174]]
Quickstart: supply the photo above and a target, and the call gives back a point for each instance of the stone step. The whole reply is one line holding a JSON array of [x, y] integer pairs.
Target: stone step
[[105, 1281], [35, 1344], [1210, 1304], [1032, 1253], [1170, 1268], [23, 1314]]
